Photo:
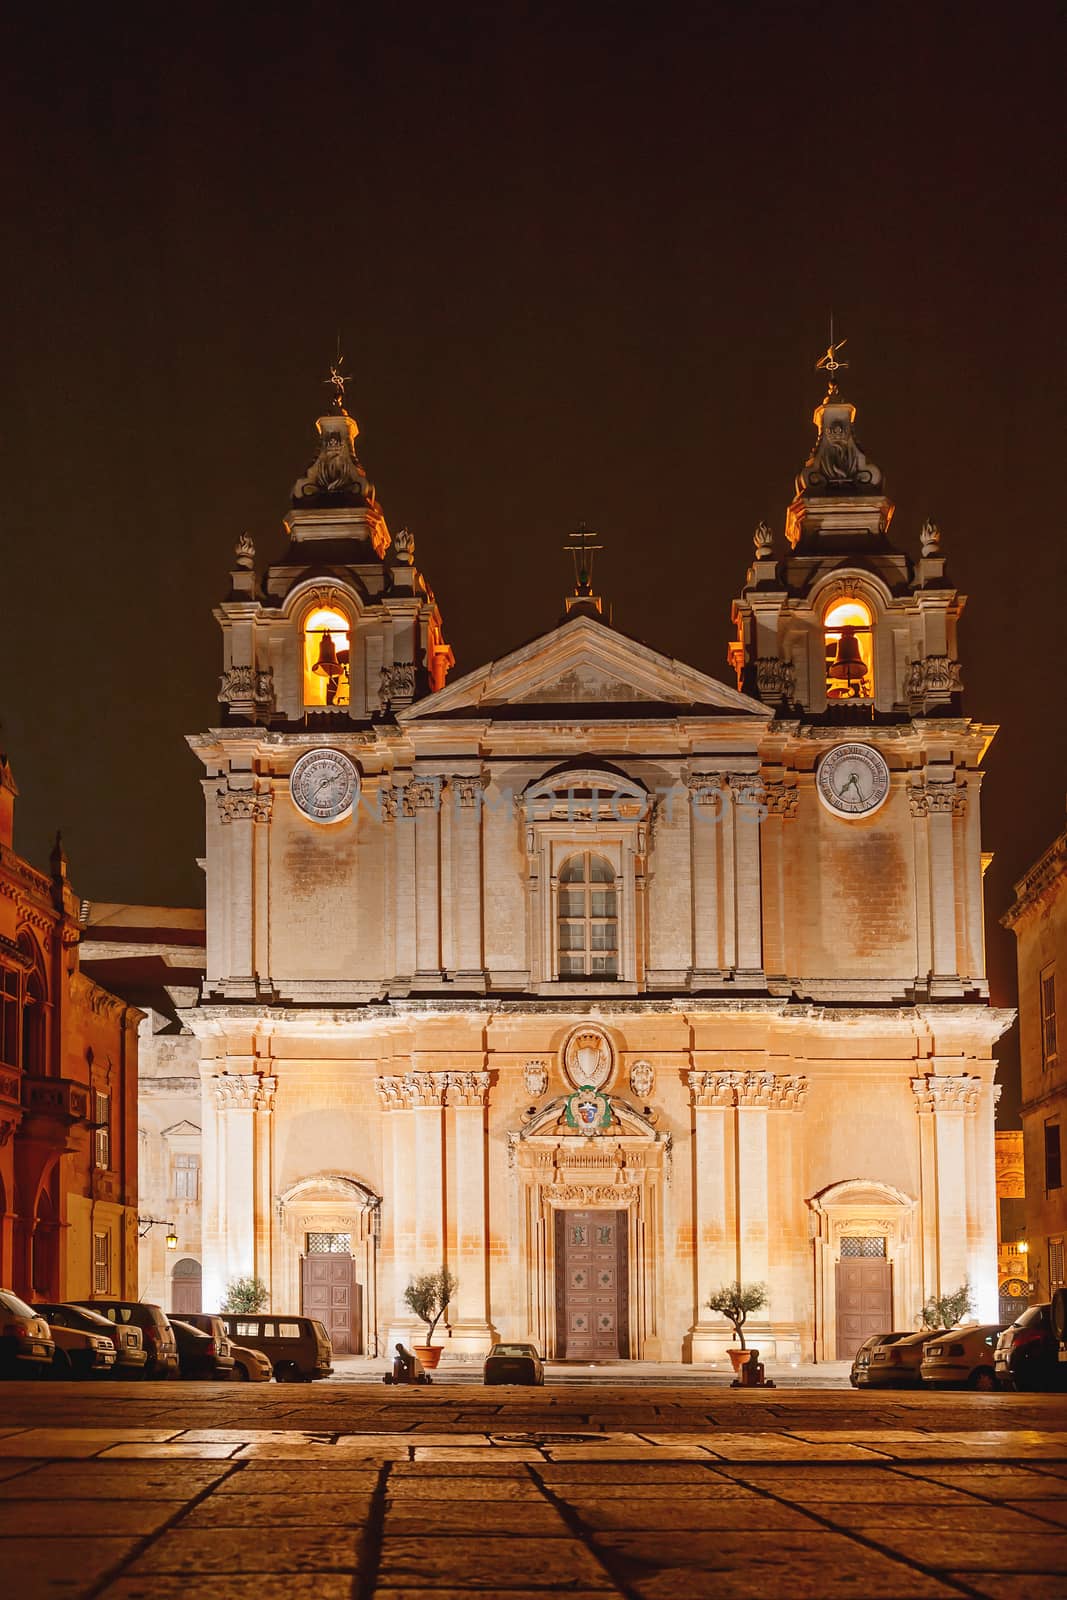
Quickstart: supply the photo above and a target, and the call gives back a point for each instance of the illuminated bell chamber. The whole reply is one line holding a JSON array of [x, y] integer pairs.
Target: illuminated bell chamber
[[848, 664], [327, 661]]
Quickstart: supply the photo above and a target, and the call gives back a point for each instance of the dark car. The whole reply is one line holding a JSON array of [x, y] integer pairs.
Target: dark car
[[514, 1363], [1027, 1355], [156, 1331], [298, 1348], [130, 1355], [26, 1343], [861, 1361], [211, 1324], [199, 1355]]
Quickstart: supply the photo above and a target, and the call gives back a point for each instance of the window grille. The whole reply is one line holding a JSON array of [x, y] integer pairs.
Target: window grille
[[329, 1244], [1048, 1016], [102, 1132], [9, 1017], [863, 1245], [1055, 1264], [101, 1263], [186, 1177], [588, 918], [1053, 1159]]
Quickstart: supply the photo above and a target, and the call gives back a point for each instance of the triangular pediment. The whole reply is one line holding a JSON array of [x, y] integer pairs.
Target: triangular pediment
[[586, 665], [181, 1130]]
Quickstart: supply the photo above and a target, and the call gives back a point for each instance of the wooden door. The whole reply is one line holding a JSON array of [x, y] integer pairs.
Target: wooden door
[[591, 1285], [864, 1301], [186, 1287], [327, 1293]]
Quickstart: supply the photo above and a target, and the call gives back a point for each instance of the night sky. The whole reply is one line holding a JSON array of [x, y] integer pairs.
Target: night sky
[[581, 259]]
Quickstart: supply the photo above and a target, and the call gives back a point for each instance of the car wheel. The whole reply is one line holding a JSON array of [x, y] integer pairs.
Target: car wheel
[[240, 1373], [981, 1378], [61, 1365], [287, 1372]]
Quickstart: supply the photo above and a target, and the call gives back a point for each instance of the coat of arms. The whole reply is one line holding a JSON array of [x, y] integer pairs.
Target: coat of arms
[[588, 1110]]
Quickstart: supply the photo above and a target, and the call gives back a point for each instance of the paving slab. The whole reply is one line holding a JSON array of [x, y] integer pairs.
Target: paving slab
[[202, 1552], [44, 1568], [51, 1519], [263, 1586], [493, 1564]]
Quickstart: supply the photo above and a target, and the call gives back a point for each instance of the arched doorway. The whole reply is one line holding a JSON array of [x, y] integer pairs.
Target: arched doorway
[[186, 1286], [864, 1269], [329, 1258], [44, 1245]]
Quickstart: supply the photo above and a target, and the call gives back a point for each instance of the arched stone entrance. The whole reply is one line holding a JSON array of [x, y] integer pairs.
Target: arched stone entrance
[[610, 1184], [856, 1221], [327, 1261], [186, 1286]]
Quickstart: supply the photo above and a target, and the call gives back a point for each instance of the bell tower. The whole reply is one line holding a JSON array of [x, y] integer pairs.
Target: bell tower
[[846, 627], [343, 628]]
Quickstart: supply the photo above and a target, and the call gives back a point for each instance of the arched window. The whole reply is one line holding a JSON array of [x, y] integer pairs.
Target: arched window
[[588, 918], [326, 659], [35, 995], [848, 639]]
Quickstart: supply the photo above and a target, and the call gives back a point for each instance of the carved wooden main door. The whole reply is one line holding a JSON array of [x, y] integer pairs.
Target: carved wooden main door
[[592, 1313], [864, 1301], [331, 1295]]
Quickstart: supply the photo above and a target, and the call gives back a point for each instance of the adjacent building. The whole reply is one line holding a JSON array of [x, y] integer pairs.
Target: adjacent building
[[594, 977], [1038, 918], [68, 1093], [1013, 1265]]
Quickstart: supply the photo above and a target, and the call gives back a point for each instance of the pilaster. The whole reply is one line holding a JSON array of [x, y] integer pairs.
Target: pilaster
[[944, 1102], [468, 1094]]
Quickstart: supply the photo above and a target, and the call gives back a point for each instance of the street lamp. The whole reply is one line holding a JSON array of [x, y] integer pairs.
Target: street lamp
[[144, 1224]]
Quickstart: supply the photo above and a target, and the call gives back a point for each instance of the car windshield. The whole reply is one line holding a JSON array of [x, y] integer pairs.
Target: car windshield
[[17, 1307], [1033, 1315]]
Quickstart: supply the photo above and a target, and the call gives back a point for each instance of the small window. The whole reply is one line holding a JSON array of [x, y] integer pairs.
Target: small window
[[326, 659], [9, 1017], [1012, 1218], [1053, 1161], [848, 642], [254, 1330], [863, 1245], [186, 1177], [1055, 1264], [1048, 1016], [329, 1244], [33, 1051], [101, 1263], [588, 918], [102, 1132], [288, 1330]]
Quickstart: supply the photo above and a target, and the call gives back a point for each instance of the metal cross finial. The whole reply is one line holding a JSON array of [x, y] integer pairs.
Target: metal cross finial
[[829, 363], [338, 377], [583, 551]]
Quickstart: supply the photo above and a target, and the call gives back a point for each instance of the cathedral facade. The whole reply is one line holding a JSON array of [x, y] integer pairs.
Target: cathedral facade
[[598, 980]]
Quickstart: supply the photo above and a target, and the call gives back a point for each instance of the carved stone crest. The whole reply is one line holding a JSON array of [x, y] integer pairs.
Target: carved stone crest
[[535, 1078], [588, 1057], [642, 1079]]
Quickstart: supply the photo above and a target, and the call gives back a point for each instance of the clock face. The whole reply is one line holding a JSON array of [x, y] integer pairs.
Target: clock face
[[324, 785], [853, 780]]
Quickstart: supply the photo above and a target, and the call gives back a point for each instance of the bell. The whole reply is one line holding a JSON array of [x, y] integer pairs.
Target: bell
[[327, 659], [848, 663]]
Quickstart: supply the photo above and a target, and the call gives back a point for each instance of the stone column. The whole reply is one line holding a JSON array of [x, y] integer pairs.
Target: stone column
[[234, 1099], [706, 805], [466, 878], [395, 805], [398, 1207], [714, 1210], [423, 797], [263, 1109], [941, 803], [468, 1095], [944, 1102], [781, 802], [426, 1091], [240, 809], [749, 811]]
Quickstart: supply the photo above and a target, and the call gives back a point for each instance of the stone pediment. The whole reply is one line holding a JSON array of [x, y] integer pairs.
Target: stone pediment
[[181, 1130], [586, 665]]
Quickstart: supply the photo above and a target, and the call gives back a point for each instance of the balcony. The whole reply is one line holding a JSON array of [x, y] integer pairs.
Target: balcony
[[60, 1098]]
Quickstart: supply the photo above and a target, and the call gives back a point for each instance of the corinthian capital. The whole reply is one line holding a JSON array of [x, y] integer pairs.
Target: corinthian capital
[[781, 799], [245, 805], [946, 1092], [773, 1091], [468, 1088], [236, 1091], [424, 1088]]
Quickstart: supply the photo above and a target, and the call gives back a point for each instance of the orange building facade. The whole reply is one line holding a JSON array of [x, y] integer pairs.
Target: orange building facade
[[68, 1094]]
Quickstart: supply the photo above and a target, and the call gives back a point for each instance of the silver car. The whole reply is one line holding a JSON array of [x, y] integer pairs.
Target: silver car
[[963, 1356]]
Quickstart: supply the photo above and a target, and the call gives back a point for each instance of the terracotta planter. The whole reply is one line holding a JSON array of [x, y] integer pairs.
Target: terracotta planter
[[428, 1354], [738, 1357]]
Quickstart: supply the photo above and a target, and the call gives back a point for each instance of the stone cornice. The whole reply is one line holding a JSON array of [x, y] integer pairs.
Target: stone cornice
[[1041, 883]]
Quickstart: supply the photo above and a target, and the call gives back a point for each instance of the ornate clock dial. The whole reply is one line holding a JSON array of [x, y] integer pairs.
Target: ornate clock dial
[[852, 780], [324, 785]]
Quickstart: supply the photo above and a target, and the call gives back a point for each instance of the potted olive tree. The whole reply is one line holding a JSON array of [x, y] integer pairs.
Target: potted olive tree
[[427, 1295], [734, 1301]]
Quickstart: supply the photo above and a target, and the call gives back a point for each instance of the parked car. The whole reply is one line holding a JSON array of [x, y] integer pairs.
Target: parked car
[[896, 1365], [130, 1354], [199, 1355], [26, 1343], [298, 1348], [1026, 1356], [514, 1363], [962, 1355], [156, 1331], [861, 1361], [251, 1366], [210, 1324]]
